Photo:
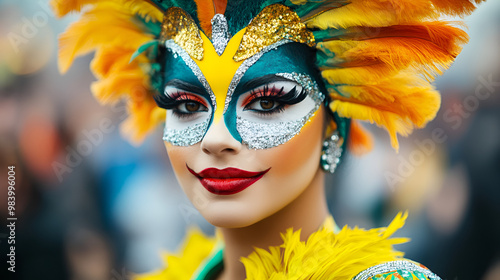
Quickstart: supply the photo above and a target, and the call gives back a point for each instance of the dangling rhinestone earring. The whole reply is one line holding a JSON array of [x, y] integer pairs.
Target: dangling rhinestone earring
[[331, 152]]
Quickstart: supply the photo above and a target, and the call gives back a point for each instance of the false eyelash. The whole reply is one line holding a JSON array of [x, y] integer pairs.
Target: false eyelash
[[173, 100], [164, 101], [292, 97], [265, 91]]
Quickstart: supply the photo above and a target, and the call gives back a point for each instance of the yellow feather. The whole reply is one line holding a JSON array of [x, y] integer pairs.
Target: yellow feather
[[111, 59], [373, 14], [397, 223], [358, 75], [63, 7], [110, 28], [339, 47], [325, 255], [182, 266], [392, 122], [377, 13], [348, 16], [299, 2], [89, 33], [120, 84], [144, 9], [142, 119]]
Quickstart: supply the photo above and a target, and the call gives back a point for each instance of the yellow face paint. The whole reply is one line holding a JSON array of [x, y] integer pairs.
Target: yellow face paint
[[220, 70], [249, 123]]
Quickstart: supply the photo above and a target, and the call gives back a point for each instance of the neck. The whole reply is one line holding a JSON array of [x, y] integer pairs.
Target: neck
[[307, 212]]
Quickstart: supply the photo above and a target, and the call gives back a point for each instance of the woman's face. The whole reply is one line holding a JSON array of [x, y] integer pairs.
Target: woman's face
[[244, 138]]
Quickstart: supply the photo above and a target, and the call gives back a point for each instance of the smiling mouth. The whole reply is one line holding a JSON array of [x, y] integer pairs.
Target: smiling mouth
[[228, 180]]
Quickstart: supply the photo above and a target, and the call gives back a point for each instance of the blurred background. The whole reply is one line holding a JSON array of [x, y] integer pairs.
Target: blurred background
[[91, 206]]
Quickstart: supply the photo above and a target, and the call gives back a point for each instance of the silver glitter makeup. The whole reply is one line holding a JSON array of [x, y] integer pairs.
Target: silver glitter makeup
[[244, 67], [401, 265], [268, 135], [177, 50], [307, 83], [187, 136], [220, 33]]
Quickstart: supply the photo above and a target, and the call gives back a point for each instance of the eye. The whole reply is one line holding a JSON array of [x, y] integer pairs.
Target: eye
[[267, 105], [188, 108], [182, 103], [273, 98], [191, 107]]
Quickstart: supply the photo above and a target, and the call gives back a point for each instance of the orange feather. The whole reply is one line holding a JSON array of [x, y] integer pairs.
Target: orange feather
[[456, 7], [360, 141], [206, 11], [220, 6], [429, 47]]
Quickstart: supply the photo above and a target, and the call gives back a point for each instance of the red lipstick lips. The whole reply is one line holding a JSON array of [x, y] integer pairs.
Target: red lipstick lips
[[228, 180]]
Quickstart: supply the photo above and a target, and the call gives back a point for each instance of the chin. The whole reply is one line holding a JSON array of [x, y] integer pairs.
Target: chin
[[230, 222], [227, 215]]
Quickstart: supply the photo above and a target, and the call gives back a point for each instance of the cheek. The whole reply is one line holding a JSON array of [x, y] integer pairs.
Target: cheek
[[178, 157], [294, 165], [296, 161]]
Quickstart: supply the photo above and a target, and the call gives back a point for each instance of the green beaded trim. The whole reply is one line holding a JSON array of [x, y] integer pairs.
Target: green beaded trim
[[401, 269]]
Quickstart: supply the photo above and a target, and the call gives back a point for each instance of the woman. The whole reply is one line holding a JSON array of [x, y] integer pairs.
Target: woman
[[261, 97]]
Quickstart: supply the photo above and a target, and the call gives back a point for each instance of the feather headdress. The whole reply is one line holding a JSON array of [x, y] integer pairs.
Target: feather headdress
[[377, 57]]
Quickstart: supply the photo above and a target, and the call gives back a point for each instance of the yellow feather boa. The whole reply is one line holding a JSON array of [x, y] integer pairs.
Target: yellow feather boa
[[325, 254]]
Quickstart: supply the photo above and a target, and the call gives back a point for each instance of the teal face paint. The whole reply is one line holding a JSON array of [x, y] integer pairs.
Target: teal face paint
[[271, 101], [187, 98], [288, 67], [174, 68]]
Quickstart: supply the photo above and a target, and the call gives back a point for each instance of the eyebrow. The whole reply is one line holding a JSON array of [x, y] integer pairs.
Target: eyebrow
[[182, 85], [264, 80]]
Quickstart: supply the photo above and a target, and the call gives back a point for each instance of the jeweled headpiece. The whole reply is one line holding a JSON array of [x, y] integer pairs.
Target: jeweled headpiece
[[375, 59]]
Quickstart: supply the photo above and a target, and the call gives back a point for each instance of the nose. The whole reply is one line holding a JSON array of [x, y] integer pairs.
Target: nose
[[218, 141]]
